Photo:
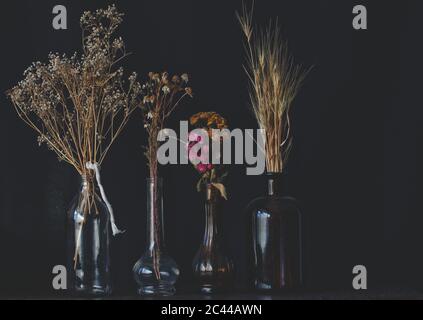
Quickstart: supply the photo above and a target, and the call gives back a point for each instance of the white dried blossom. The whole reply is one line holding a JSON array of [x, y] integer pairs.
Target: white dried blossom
[[166, 90], [185, 77], [71, 91], [118, 43], [133, 77]]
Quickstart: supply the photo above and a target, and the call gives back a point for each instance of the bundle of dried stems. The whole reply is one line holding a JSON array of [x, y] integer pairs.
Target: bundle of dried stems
[[79, 105], [274, 82], [161, 94]]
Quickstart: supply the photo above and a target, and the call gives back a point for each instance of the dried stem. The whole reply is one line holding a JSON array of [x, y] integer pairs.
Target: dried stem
[[79, 105], [159, 96], [274, 82]]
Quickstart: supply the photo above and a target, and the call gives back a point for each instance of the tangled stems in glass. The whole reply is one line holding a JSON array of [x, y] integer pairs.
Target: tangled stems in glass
[[155, 227], [155, 272], [161, 95], [88, 234]]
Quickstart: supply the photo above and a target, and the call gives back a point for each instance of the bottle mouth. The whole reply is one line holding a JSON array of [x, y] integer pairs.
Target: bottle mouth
[[85, 179], [153, 183], [211, 192], [275, 174], [274, 181], [157, 179]]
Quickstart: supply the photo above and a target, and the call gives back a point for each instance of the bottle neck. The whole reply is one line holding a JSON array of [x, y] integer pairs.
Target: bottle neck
[[212, 214], [211, 193], [274, 184], [87, 182], [88, 202], [155, 214]]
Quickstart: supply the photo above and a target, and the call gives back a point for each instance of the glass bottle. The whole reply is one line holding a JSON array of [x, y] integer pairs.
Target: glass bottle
[[275, 230], [213, 270], [155, 272], [88, 248]]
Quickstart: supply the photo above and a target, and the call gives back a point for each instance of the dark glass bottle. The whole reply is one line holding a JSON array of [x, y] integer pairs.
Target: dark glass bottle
[[88, 246], [275, 232], [213, 270]]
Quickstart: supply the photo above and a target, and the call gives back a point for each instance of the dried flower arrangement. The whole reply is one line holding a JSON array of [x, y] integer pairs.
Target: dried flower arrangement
[[275, 80], [161, 95], [79, 105], [211, 174]]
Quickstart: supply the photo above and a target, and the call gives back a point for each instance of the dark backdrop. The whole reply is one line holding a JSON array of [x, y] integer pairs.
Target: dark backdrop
[[353, 167]]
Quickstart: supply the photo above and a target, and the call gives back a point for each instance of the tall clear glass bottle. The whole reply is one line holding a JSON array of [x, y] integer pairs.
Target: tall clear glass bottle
[[155, 272], [88, 248]]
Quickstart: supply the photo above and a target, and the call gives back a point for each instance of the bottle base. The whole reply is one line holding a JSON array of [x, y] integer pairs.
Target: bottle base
[[159, 290], [210, 289], [264, 287], [94, 291]]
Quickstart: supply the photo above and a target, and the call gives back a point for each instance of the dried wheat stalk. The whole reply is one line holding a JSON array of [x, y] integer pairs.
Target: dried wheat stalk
[[274, 82]]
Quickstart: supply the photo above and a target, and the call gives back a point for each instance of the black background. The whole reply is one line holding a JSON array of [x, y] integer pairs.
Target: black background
[[354, 166]]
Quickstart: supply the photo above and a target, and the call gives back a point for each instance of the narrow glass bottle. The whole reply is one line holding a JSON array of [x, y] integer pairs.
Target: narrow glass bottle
[[155, 272], [213, 269]]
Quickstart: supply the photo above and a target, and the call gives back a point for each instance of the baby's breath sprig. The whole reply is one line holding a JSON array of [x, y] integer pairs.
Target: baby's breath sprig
[[80, 104]]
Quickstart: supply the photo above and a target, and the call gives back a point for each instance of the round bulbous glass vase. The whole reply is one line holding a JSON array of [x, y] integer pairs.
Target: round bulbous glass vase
[[88, 243], [155, 272], [156, 281]]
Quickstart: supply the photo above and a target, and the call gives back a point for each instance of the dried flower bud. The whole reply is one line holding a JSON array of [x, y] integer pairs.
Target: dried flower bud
[[185, 77], [166, 90], [156, 77], [118, 43], [176, 79], [188, 91], [165, 76]]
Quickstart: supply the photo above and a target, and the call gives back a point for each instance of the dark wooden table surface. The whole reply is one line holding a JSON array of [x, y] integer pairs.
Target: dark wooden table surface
[[389, 294]]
